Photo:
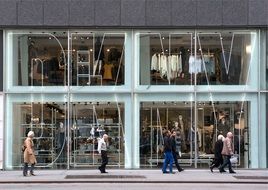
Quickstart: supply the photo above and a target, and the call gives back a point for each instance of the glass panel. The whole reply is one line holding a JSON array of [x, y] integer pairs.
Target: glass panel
[[97, 59], [266, 64], [163, 58], [266, 124], [225, 58], [215, 118], [157, 117], [48, 122], [89, 121], [37, 58]]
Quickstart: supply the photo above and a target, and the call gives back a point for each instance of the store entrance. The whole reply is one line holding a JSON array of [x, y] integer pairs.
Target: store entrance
[[194, 143]]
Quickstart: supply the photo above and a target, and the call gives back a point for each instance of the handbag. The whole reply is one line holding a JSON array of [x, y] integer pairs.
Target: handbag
[[234, 160], [23, 148]]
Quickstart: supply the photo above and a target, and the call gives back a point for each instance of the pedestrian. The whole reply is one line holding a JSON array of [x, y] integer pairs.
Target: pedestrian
[[167, 153], [227, 152], [175, 150], [218, 160], [28, 155], [102, 149]]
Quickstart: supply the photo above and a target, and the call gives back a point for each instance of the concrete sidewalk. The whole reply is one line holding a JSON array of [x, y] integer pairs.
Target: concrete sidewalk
[[135, 176]]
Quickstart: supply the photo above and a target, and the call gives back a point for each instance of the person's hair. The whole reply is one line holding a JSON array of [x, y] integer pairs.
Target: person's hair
[[173, 130], [30, 134], [229, 134], [220, 137]]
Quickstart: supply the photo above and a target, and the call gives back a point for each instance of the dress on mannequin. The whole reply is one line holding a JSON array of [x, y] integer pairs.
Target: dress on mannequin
[[108, 71]]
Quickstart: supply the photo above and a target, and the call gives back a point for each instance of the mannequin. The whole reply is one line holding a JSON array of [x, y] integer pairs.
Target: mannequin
[[223, 127], [61, 135], [181, 127]]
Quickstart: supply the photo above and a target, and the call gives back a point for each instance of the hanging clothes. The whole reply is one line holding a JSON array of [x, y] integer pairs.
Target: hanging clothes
[[195, 65], [155, 63], [163, 66], [209, 63]]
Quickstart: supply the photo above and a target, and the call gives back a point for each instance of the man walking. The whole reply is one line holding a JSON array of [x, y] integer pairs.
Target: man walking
[[227, 152], [102, 149], [167, 153], [175, 150]]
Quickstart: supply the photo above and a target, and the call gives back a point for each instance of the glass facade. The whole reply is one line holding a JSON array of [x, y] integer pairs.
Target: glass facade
[[72, 86], [213, 119]]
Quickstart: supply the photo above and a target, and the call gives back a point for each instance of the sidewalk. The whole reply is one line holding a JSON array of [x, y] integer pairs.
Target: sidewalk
[[135, 176]]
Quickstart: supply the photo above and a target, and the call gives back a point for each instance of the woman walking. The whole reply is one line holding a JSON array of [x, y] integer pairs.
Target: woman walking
[[29, 157]]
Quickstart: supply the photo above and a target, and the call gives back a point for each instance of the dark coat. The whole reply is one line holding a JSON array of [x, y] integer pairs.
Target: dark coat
[[218, 149], [167, 144], [173, 144]]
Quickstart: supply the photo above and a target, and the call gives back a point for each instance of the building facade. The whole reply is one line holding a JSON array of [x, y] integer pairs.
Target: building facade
[[72, 70]]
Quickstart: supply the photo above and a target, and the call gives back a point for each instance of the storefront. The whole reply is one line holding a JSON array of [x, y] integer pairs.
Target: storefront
[[72, 86]]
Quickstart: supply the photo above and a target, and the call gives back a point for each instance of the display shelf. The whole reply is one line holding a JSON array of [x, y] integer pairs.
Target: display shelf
[[83, 59]]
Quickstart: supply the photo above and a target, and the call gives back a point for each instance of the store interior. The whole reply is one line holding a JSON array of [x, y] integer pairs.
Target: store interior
[[88, 122], [94, 59], [212, 120], [170, 59]]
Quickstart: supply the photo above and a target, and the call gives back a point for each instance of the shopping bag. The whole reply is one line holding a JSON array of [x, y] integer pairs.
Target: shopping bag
[[234, 160]]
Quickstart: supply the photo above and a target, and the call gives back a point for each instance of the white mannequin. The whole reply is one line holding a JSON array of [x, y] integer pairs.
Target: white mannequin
[[61, 127], [181, 125]]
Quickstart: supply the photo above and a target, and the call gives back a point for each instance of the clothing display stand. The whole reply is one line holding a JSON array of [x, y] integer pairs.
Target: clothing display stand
[[44, 145], [85, 135]]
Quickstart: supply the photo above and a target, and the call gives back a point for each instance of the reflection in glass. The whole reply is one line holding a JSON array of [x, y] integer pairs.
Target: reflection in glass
[[90, 120]]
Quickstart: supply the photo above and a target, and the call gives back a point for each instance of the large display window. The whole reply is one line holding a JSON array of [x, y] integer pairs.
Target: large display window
[[198, 58], [194, 143], [97, 59], [89, 121], [43, 58], [49, 123], [37, 58], [58, 146]]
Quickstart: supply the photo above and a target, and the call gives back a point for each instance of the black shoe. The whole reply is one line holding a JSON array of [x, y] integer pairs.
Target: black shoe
[[211, 168], [24, 174], [104, 172], [181, 169], [32, 174], [165, 172], [221, 170], [232, 172]]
